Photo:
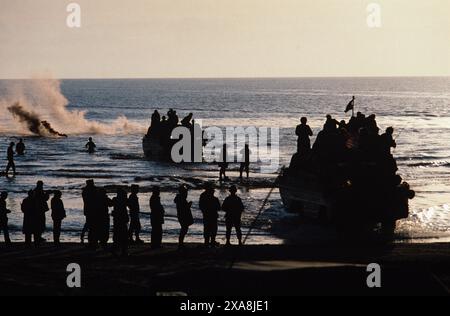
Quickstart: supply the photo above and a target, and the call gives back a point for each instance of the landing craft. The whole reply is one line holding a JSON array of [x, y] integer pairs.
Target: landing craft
[[349, 207], [158, 146], [355, 194]]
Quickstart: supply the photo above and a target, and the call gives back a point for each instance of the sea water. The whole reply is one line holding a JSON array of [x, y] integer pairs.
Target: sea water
[[116, 113]]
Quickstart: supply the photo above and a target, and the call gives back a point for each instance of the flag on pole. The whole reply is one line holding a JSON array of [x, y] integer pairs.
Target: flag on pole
[[350, 105]]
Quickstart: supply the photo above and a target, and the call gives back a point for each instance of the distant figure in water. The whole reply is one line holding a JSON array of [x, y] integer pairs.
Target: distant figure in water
[[233, 208], [184, 213], [223, 165], [135, 222], [304, 132], [20, 148], [120, 222], [210, 207], [4, 217], [90, 146], [29, 218], [10, 157], [58, 214], [245, 164], [157, 218]]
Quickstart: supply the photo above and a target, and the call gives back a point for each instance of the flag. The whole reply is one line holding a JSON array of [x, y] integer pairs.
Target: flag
[[350, 105]]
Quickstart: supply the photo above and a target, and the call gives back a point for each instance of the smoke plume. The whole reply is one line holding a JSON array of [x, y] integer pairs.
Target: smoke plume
[[41, 109], [34, 124]]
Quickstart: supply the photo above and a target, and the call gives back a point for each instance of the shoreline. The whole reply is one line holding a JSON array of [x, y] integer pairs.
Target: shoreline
[[256, 270]]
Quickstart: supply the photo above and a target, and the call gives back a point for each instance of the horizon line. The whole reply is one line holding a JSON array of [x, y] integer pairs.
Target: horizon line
[[234, 78]]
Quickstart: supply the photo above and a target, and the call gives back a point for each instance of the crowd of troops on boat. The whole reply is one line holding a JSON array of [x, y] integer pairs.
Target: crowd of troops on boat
[[353, 151], [161, 129], [126, 210]]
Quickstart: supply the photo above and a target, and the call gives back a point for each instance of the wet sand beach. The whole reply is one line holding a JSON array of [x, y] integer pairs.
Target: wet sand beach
[[406, 269]]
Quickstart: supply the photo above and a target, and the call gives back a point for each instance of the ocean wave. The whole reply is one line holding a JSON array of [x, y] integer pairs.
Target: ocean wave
[[432, 164], [421, 157], [169, 184], [120, 156]]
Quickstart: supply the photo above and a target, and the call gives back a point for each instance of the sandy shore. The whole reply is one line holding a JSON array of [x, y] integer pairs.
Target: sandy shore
[[250, 270]]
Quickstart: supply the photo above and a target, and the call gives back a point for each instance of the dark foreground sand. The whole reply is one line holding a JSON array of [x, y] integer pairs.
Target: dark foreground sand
[[422, 269]]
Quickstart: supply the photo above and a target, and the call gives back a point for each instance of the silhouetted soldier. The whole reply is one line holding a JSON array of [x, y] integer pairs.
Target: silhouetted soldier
[[233, 208], [120, 222], [58, 214], [387, 142], [245, 165], [223, 165], [157, 218], [356, 123], [90, 146], [89, 195], [10, 157], [360, 120], [176, 119], [210, 207], [186, 122], [40, 198], [156, 118], [164, 132], [170, 113], [20, 148], [184, 213], [330, 124], [135, 222], [371, 125], [4, 217], [304, 132], [365, 144], [155, 127], [104, 223], [172, 119], [163, 120], [29, 219]]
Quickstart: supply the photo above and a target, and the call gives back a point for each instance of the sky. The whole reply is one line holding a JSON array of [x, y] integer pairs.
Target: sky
[[224, 38]]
